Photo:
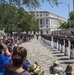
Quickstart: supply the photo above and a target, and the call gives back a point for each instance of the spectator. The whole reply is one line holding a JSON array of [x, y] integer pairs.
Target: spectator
[[69, 70], [37, 36], [26, 65], [56, 69], [4, 57], [35, 69], [18, 57]]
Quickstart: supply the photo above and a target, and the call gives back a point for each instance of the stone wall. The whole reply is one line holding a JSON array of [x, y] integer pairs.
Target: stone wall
[[68, 31]]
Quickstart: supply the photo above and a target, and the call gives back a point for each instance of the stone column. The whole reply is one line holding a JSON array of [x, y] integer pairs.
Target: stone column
[[39, 23]]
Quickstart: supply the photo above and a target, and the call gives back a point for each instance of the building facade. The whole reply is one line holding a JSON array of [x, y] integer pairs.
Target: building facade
[[47, 21]]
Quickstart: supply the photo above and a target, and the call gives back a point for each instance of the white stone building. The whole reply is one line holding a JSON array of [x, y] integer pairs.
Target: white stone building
[[47, 21]]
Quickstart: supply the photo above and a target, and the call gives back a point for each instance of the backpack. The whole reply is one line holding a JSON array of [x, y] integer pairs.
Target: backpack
[[52, 71]]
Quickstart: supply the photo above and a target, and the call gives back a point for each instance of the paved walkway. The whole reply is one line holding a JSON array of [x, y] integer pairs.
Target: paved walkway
[[45, 55]]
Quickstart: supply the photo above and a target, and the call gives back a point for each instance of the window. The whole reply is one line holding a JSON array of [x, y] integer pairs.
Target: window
[[41, 26], [46, 14], [37, 15], [37, 20], [40, 14], [46, 26], [40, 21], [47, 32], [46, 21]]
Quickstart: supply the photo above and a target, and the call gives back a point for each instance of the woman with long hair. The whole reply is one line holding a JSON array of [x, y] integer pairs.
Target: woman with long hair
[[69, 70]]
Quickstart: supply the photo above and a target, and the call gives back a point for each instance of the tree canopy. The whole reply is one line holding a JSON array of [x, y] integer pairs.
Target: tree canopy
[[64, 25], [70, 22], [72, 15], [16, 19], [28, 3]]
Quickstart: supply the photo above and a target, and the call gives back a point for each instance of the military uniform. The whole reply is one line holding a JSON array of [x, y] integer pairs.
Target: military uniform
[[55, 41], [49, 38], [66, 46], [62, 44], [72, 48], [59, 43]]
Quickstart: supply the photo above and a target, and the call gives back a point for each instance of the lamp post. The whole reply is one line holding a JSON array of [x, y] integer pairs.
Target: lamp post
[[68, 13], [69, 17], [73, 4]]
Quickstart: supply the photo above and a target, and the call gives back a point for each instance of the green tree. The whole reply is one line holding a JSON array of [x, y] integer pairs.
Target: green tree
[[71, 22], [26, 21], [16, 19], [63, 25], [28, 3], [72, 18], [72, 15], [8, 16]]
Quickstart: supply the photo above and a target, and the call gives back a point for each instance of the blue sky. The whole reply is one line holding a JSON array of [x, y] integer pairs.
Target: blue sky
[[61, 10]]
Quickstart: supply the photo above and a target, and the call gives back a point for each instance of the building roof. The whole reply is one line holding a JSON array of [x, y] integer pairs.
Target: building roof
[[46, 12], [38, 12]]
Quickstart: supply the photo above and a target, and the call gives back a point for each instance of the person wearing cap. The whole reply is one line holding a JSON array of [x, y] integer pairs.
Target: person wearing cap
[[56, 69]]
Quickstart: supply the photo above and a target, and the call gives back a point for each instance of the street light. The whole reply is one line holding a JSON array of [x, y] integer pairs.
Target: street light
[[73, 4], [68, 12]]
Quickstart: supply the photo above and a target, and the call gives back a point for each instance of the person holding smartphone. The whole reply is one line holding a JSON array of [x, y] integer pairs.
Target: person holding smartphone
[[5, 57]]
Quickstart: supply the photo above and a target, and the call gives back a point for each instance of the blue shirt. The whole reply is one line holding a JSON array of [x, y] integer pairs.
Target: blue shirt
[[4, 61]]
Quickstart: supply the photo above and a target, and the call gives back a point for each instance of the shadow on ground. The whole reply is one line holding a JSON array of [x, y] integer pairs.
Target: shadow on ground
[[55, 52], [67, 62], [64, 59], [60, 55]]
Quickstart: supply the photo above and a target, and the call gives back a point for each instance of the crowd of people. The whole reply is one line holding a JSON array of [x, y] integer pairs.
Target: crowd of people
[[55, 69], [13, 58], [65, 44], [11, 55]]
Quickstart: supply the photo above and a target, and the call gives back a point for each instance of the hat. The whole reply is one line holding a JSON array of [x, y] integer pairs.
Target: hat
[[55, 62], [35, 69]]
